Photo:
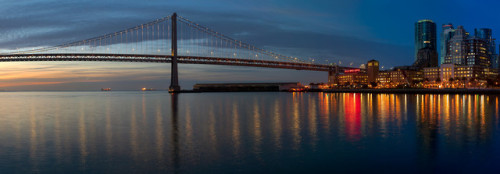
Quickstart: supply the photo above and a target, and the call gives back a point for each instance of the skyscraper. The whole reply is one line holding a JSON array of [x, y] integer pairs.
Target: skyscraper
[[425, 35], [465, 50], [486, 35], [457, 50], [477, 52], [426, 57], [446, 35], [496, 62]]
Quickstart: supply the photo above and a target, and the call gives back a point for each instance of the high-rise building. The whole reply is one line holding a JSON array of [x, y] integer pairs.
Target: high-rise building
[[426, 57], [465, 50], [372, 70], [457, 49], [425, 35], [486, 34], [477, 53], [446, 35], [496, 61]]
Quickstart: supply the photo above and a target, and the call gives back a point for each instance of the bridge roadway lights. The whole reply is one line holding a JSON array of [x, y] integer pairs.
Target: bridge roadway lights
[[174, 89]]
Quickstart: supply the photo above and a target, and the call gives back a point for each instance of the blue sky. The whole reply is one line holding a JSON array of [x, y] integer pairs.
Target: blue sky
[[335, 30]]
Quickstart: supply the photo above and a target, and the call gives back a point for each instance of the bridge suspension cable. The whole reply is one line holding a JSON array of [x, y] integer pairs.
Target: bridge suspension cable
[[226, 46], [125, 41], [154, 38]]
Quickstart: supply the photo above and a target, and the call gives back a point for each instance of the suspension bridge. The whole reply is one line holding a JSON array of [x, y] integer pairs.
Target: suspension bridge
[[172, 39]]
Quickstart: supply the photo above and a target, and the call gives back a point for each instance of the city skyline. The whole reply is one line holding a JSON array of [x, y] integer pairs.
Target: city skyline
[[323, 34]]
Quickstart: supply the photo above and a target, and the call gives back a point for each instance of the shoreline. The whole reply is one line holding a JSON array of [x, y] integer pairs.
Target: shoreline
[[374, 91], [417, 91]]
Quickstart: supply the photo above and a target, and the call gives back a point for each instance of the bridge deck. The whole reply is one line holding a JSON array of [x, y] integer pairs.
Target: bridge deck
[[167, 59]]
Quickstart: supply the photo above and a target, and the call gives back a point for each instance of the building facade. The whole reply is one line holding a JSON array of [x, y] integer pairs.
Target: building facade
[[465, 50], [425, 35], [372, 70], [446, 35], [352, 77], [460, 72], [496, 62], [457, 48], [477, 52], [432, 74], [426, 57], [487, 35], [399, 76]]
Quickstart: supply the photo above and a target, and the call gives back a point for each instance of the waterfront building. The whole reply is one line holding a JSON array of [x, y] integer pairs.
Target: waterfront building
[[372, 70], [459, 72], [446, 35], [384, 77], [406, 75], [353, 77], [400, 75], [432, 74], [446, 76], [425, 35], [447, 72], [431, 77], [468, 72], [426, 57]]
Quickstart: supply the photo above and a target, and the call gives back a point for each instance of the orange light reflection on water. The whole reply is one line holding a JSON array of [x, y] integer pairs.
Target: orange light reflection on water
[[353, 116], [303, 120]]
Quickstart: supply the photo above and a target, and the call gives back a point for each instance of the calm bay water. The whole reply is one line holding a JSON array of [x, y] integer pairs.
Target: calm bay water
[[155, 132]]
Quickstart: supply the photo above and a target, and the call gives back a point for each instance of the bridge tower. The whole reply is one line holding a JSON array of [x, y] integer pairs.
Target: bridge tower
[[174, 81]]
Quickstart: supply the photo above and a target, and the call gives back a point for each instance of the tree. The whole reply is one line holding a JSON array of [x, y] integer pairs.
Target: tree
[[472, 80], [438, 80], [490, 83], [498, 79], [374, 84], [464, 80], [451, 81]]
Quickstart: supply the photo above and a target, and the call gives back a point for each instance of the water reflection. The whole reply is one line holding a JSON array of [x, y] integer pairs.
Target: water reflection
[[175, 131], [159, 132]]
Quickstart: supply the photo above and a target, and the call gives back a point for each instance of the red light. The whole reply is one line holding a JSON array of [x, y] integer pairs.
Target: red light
[[352, 71], [353, 120]]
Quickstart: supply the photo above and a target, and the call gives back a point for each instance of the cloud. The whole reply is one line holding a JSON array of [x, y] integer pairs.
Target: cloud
[[326, 31], [271, 25]]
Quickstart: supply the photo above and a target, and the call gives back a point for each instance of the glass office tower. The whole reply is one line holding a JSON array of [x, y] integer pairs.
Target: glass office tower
[[486, 35], [425, 35], [446, 35]]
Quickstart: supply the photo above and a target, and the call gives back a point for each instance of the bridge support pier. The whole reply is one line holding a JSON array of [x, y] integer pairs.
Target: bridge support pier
[[331, 78], [332, 75], [174, 81]]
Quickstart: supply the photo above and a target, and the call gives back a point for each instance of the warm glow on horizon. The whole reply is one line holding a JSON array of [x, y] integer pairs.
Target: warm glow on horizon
[[26, 74]]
